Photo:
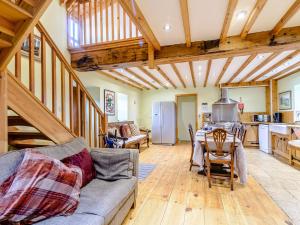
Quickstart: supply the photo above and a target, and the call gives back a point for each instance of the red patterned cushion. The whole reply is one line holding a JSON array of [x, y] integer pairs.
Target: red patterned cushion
[[84, 161], [125, 131], [41, 187]]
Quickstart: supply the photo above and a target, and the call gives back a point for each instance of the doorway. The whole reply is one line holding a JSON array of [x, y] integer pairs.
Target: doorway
[[186, 114]]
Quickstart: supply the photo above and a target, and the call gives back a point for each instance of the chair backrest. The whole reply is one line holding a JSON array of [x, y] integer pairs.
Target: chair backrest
[[191, 131], [242, 133], [219, 136]]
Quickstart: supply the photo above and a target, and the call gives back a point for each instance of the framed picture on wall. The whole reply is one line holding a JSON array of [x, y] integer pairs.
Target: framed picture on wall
[[109, 102], [37, 48], [285, 100]]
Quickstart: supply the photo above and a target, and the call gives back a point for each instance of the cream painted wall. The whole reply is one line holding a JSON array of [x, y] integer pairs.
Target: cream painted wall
[[288, 84], [254, 99], [93, 79]]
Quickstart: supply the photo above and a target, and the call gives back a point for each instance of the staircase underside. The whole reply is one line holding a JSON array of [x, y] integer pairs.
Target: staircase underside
[[32, 112]]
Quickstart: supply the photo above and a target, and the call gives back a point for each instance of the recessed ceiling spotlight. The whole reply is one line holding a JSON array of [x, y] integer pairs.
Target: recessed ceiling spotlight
[[199, 67], [287, 63], [167, 27], [121, 70], [241, 15], [199, 74], [167, 84], [261, 56]]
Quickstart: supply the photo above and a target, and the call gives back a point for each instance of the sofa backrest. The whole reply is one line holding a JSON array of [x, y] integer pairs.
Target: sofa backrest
[[118, 124], [10, 161]]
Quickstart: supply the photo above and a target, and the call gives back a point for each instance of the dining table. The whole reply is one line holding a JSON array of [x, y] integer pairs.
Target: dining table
[[240, 159]]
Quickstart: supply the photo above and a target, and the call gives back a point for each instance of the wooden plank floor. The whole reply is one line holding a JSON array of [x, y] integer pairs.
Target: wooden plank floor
[[173, 195]]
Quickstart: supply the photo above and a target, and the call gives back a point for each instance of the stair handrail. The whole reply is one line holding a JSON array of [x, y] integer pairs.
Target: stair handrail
[[42, 29]]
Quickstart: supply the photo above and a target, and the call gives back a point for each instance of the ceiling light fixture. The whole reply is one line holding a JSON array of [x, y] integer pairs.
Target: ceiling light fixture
[[167, 27], [261, 56], [241, 15], [199, 67]]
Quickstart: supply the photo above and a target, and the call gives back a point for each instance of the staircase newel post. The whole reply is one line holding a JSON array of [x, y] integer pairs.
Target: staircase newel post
[[3, 112]]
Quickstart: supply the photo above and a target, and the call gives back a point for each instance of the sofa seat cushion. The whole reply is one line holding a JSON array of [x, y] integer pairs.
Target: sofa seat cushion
[[75, 219], [135, 138], [104, 198]]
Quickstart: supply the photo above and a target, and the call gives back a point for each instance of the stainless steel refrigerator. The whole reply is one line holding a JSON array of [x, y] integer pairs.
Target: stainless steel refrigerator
[[164, 123]]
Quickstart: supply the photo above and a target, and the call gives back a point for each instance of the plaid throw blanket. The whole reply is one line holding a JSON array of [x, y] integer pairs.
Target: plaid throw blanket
[[40, 188]]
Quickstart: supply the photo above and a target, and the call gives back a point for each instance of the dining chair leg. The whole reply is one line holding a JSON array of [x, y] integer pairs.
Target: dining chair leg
[[231, 176], [208, 175], [191, 165]]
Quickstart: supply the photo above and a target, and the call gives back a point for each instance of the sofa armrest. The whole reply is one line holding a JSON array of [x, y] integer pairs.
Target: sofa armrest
[[132, 157]]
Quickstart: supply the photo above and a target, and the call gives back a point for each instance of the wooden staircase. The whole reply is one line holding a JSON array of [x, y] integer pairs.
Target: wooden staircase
[[17, 19], [38, 112], [21, 134]]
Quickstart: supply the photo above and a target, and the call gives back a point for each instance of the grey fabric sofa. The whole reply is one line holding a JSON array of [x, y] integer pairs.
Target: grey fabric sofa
[[101, 202]]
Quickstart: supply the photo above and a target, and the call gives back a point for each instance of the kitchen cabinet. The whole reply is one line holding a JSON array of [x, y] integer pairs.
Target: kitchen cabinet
[[280, 144], [251, 138]]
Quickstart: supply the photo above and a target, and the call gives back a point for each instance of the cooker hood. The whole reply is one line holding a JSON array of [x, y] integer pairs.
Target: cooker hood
[[224, 98], [225, 109]]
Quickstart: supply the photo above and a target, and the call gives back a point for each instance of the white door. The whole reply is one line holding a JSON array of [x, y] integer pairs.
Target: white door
[[168, 123], [156, 123], [186, 110]]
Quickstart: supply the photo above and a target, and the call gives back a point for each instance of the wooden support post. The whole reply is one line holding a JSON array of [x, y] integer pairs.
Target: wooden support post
[[31, 63], [3, 112], [268, 100], [151, 56], [274, 96]]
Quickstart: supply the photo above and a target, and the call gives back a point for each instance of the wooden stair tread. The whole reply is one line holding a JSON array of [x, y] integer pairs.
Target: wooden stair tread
[[31, 142], [12, 12], [17, 121], [18, 135], [5, 44], [7, 30]]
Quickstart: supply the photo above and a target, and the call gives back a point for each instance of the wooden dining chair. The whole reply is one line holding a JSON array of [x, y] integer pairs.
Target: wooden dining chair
[[192, 137], [219, 155]]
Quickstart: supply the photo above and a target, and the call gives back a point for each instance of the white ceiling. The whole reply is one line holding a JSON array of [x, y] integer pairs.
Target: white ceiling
[[200, 70], [206, 21], [207, 17]]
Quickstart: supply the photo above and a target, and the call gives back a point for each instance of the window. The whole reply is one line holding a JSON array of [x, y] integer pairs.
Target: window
[[122, 101]]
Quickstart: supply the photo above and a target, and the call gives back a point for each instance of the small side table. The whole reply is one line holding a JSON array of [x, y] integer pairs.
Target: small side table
[[294, 152]]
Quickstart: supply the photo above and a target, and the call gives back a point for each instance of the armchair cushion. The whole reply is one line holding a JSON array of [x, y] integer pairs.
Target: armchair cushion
[[135, 131], [125, 131], [114, 164]]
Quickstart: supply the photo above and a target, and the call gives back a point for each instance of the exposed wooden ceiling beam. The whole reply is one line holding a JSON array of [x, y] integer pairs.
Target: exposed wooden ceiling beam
[[192, 73], [130, 71], [136, 15], [152, 76], [284, 60], [207, 72], [228, 17], [133, 56], [288, 74], [186, 21], [151, 56], [259, 66], [120, 80], [165, 76], [252, 17], [287, 16], [242, 67], [224, 69], [176, 71], [247, 84], [286, 70], [129, 79]]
